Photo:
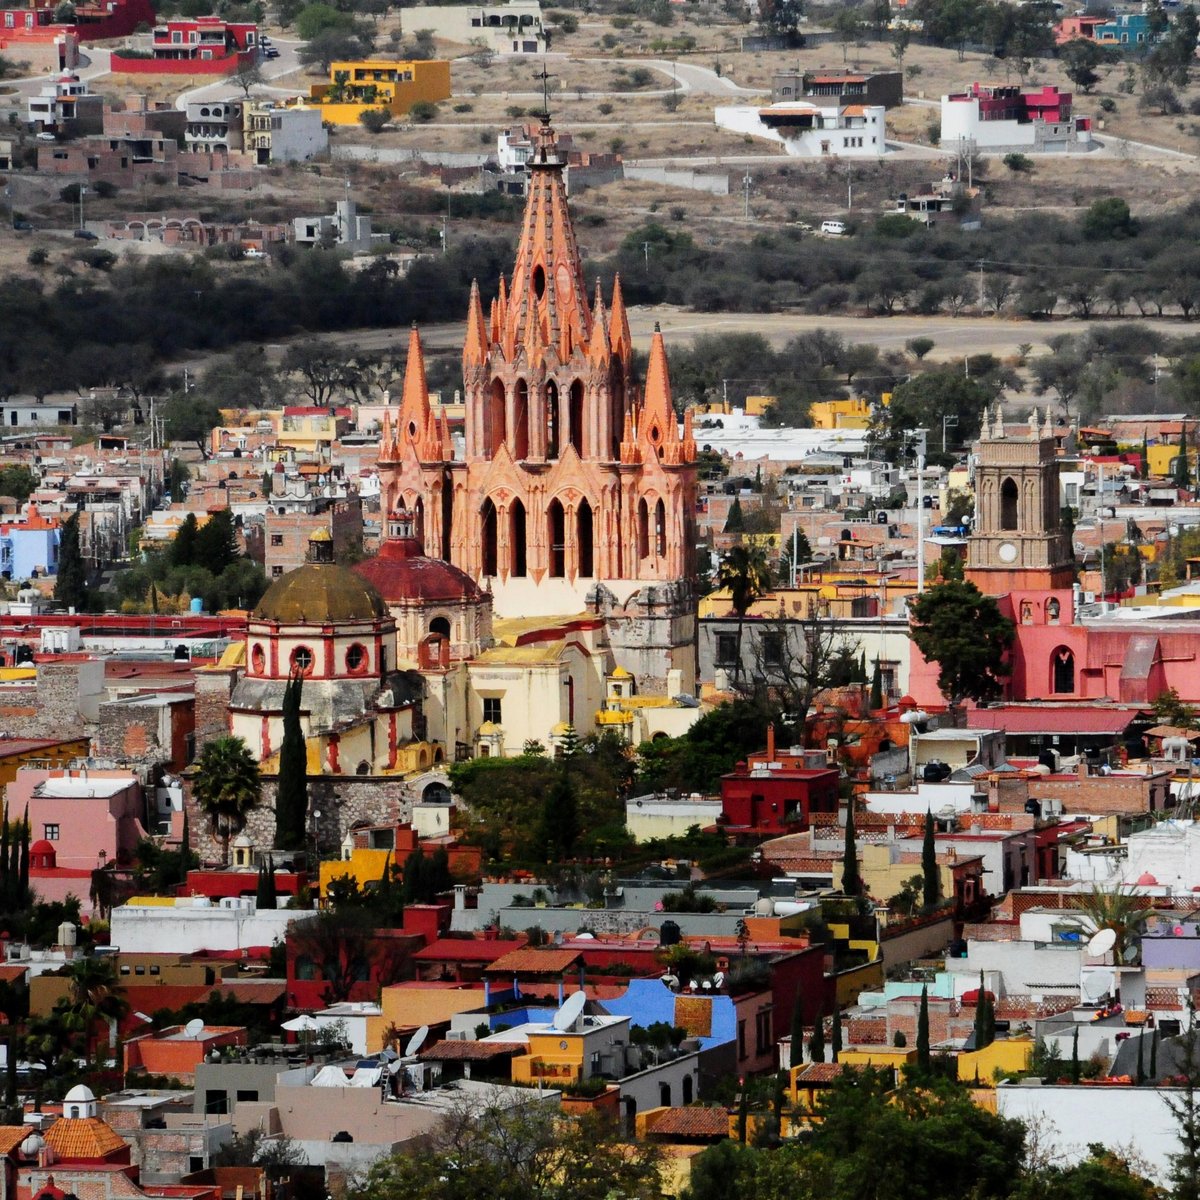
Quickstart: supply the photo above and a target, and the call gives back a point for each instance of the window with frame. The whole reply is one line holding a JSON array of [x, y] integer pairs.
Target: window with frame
[[762, 1031], [50, 831], [492, 710], [277, 539], [772, 649], [302, 660], [726, 649]]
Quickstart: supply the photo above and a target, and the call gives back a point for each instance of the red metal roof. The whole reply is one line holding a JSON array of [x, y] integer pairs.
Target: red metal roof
[[466, 950], [1046, 718]]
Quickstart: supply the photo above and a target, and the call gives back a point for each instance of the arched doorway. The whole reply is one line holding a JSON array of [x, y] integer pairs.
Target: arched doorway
[[556, 527], [1008, 504], [1062, 671], [516, 539], [488, 534], [583, 539]]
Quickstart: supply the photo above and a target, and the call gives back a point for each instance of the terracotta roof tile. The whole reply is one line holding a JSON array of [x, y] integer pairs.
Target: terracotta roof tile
[[695, 1121], [534, 962], [820, 1072], [83, 1138], [468, 1051], [466, 950], [11, 1136]]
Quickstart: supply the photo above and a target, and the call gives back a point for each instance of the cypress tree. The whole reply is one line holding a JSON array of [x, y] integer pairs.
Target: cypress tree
[[777, 1100], [261, 887], [797, 1030], [1154, 1056], [1141, 1070], [270, 896], [735, 522], [1183, 472], [981, 1017], [816, 1043], [743, 1114], [930, 876], [851, 882], [23, 882], [1145, 455], [183, 545], [1076, 1071], [558, 824], [70, 585], [835, 1042], [291, 792], [923, 1059], [876, 701], [7, 882], [185, 849]]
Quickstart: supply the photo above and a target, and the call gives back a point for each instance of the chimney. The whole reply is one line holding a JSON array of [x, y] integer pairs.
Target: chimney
[[771, 741], [1082, 769]]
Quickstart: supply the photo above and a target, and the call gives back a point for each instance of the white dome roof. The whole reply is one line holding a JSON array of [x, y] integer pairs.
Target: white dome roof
[[79, 1094]]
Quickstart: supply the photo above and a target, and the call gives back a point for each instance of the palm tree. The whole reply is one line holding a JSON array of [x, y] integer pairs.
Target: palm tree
[[1118, 910], [227, 787], [744, 572], [94, 995]]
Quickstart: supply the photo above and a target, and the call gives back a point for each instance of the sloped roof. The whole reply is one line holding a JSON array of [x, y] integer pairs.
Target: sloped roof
[[534, 962], [467, 1051], [83, 1138], [466, 950], [11, 1136], [695, 1121]]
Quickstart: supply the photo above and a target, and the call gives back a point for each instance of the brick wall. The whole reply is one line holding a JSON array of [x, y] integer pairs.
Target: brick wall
[[286, 536], [48, 708], [146, 735]]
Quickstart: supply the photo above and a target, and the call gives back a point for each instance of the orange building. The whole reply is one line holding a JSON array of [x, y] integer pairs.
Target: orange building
[[577, 486]]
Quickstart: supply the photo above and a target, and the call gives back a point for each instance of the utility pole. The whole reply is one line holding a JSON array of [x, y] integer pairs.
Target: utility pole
[[982, 304], [82, 193], [646, 254], [746, 182], [919, 445]]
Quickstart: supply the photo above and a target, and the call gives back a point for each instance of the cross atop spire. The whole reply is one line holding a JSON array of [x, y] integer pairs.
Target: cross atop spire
[[544, 77]]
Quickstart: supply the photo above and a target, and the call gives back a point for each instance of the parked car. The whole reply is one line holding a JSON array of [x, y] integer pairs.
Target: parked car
[[270, 52], [46, 136], [23, 226], [254, 253], [86, 234], [833, 228]]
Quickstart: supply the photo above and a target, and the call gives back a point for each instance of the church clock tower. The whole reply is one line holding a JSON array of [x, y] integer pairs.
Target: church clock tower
[[1018, 542]]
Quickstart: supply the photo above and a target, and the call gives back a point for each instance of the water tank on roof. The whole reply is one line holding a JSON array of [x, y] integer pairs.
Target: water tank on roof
[[197, 606], [1033, 808], [669, 933]]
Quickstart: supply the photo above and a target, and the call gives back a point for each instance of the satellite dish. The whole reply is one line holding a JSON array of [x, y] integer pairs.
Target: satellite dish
[[564, 1020], [194, 1028], [1100, 943], [1098, 984], [719, 980], [1130, 953], [395, 1068], [416, 1041]]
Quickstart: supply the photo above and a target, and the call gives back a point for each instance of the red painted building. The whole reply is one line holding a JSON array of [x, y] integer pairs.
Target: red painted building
[[776, 792], [93, 22], [196, 46]]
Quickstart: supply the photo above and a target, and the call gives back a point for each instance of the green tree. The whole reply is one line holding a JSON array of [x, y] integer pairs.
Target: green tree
[[983, 1037], [1119, 910], [70, 585], [291, 789], [375, 120], [835, 1042], [17, 481], [1076, 1069], [216, 545], [1109, 220], [816, 1043], [797, 1030], [1184, 1105], [876, 700], [963, 631], [515, 1152], [851, 880], [182, 551], [735, 521], [923, 1059], [1079, 58], [558, 826], [931, 876], [924, 401], [227, 786], [744, 572]]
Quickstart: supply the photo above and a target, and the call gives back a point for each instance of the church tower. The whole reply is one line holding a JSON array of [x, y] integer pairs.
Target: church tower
[[577, 489], [1018, 542]]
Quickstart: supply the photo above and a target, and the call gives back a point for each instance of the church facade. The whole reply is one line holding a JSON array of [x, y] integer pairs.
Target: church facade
[[576, 490]]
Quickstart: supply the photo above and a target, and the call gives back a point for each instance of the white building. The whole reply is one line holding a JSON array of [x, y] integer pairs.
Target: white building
[[192, 924], [807, 130], [511, 28], [65, 105], [1003, 117], [343, 227], [214, 125]]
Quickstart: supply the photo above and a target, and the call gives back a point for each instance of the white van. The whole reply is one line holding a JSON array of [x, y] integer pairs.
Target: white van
[[834, 228]]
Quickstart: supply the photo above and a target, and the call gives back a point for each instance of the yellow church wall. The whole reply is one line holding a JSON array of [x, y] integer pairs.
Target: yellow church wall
[[363, 866]]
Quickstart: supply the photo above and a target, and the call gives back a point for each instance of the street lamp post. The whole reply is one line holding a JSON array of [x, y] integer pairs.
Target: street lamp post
[[948, 419], [919, 445], [82, 193]]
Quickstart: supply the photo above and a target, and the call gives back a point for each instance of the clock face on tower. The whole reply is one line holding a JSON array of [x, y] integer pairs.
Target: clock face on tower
[[1006, 552]]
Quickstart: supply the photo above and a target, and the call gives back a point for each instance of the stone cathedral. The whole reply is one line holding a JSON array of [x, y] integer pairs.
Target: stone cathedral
[[576, 489]]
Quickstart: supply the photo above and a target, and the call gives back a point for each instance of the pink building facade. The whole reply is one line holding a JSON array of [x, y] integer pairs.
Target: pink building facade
[[90, 817]]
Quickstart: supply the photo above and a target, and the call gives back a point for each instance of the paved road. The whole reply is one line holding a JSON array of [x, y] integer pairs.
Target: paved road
[[271, 68]]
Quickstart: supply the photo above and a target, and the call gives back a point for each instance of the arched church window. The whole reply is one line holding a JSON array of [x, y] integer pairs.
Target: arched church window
[[1053, 609], [1008, 504], [521, 421], [660, 529], [516, 539], [357, 659], [576, 401], [258, 659], [584, 540], [495, 424], [643, 529], [556, 522], [488, 534], [552, 419], [302, 660]]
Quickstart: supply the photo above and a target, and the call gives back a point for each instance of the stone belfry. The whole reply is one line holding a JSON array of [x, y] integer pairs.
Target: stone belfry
[[577, 488]]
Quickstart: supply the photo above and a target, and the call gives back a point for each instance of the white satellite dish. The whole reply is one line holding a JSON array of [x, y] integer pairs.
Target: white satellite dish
[[1098, 984], [416, 1041], [564, 1020], [194, 1028], [1101, 942]]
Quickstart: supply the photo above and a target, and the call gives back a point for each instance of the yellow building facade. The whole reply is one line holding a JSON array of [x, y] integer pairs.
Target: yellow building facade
[[356, 87], [854, 413]]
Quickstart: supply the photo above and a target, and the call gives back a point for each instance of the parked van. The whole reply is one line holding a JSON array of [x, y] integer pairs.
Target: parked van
[[834, 228]]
